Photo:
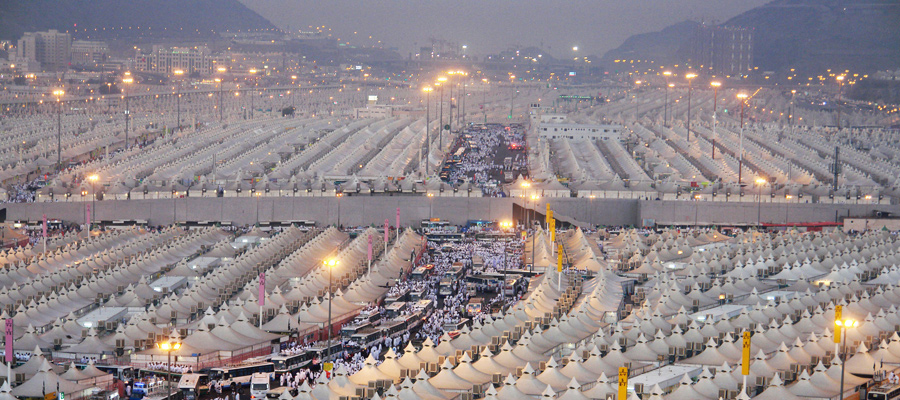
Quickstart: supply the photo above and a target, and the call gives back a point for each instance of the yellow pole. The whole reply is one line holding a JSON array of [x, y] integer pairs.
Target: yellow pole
[[559, 259], [837, 317], [745, 358]]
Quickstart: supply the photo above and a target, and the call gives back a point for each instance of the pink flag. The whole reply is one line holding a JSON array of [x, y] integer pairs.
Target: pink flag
[[9, 340], [44, 226], [398, 218], [386, 230], [88, 216], [262, 289], [370, 248]]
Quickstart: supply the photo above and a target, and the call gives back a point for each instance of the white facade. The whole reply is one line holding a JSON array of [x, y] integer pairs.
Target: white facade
[[579, 131]]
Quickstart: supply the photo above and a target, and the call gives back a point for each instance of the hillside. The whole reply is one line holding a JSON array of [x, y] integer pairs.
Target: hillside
[[809, 35], [664, 47], [156, 18]]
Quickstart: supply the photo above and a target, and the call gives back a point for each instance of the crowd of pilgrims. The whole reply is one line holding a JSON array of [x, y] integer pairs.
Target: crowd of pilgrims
[[450, 310], [174, 368], [479, 162]]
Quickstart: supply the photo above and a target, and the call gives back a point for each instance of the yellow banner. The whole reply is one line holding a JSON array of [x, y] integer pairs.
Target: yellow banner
[[838, 311], [548, 214], [559, 259], [745, 354], [623, 383]]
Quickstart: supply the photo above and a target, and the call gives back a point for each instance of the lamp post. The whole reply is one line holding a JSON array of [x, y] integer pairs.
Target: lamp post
[[591, 210], [743, 99], [221, 81], [843, 325], [427, 91], [440, 82], [715, 85], [787, 204], [840, 79], [689, 76], [430, 205], [667, 74], [92, 179], [450, 103], [330, 264], [465, 95], [759, 184], [253, 72], [219, 97], [178, 73], [512, 97], [339, 195], [127, 80], [534, 198], [172, 344], [504, 226], [257, 194], [791, 114], [59, 93], [484, 100]]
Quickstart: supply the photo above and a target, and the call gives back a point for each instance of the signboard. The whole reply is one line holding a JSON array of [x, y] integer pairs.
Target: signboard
[[745, 354], [559, 260], [623, 383], [837, 330]]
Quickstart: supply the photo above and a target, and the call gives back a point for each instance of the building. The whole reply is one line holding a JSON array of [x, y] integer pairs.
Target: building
[[51, 49], [579, 131], [722, 50], [164, 60], [89, 52]]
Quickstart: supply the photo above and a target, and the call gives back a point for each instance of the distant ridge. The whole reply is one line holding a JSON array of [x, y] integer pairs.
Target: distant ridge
[[164, 18], [809, 35]]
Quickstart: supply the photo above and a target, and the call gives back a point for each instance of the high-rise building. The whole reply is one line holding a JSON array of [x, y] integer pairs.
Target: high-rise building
[[52, 49], [722, 50], [167, 59], [89, 52]]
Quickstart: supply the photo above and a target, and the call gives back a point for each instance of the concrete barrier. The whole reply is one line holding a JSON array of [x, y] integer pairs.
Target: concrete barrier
[[368, 210]]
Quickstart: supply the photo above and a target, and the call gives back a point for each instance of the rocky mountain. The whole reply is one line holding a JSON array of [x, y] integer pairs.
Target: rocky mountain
[[808, 35], [128, 18]]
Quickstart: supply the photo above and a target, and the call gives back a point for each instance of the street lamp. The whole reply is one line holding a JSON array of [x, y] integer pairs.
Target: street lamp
[[178, 73], [715, 85], [339, 195], [743, 98], [257, 194], [512, 98], [168, 346], [440, 82], [93, 178], [591, 210], [667, 74], [430, 205], [219, 97], [127, 80], [689, 76], [534, 198], [843, 325], [330, 264], [759, 182], [59, 93], [427, 91], [840, 79]]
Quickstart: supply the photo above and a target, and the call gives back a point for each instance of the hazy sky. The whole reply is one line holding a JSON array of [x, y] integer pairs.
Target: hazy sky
[[488, 26]]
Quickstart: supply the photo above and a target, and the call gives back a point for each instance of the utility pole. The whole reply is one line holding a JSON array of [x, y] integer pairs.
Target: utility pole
[[836, 167]]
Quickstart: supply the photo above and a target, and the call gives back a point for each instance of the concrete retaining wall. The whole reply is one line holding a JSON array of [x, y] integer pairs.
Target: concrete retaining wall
[[366, 210]]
